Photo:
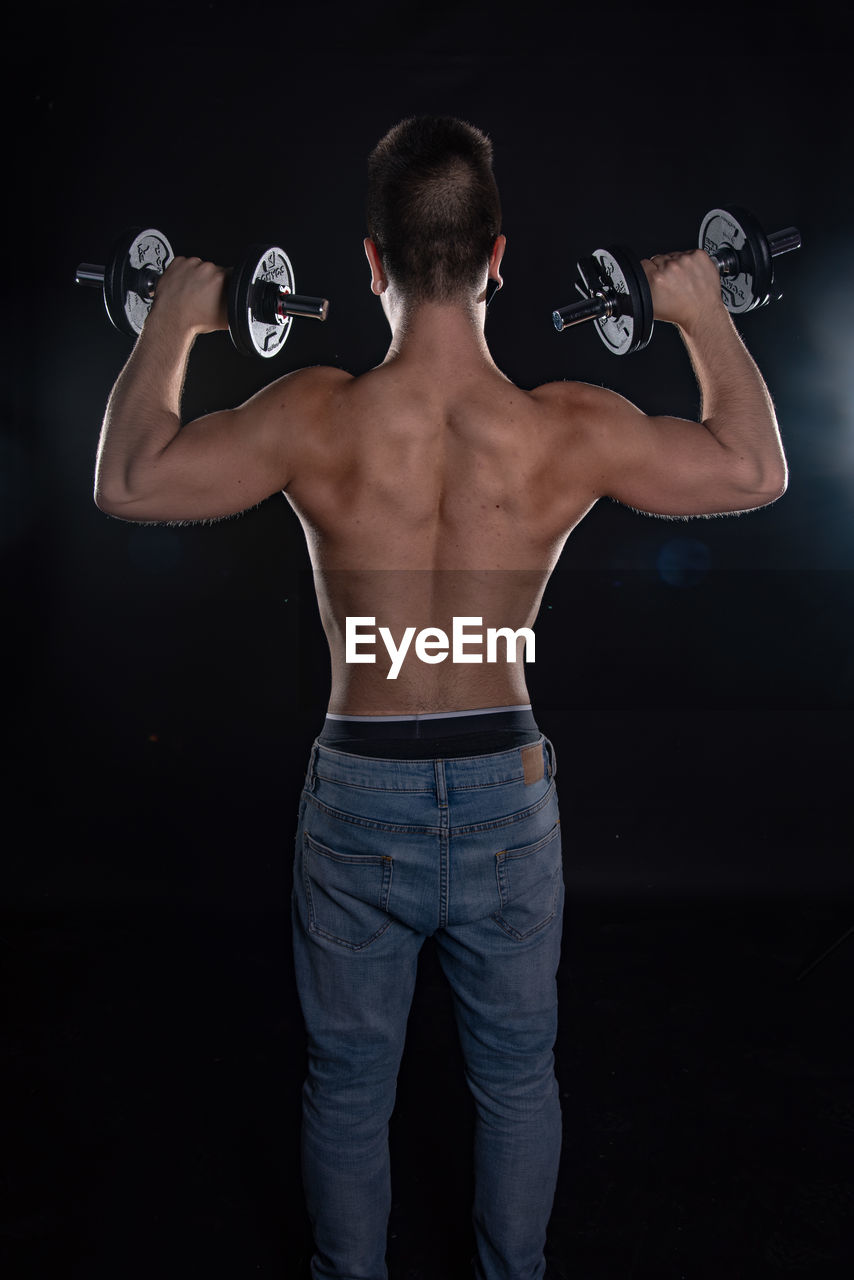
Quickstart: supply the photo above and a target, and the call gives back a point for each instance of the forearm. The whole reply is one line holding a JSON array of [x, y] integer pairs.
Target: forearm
[[735, 404]]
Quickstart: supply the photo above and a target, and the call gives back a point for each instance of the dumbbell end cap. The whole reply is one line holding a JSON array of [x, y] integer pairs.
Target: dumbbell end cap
[[298, 304], [89, 273], [784, 241], [557, 320]]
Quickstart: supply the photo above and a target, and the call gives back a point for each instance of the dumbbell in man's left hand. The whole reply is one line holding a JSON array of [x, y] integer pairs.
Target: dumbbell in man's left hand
[[685, 287]]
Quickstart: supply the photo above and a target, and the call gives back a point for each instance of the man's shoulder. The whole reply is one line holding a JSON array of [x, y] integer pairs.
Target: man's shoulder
[[571, 408], [307, 393], [571, 395], [320, 376]]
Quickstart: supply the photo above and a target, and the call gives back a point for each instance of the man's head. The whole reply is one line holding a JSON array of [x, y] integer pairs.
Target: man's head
[[433, 208]]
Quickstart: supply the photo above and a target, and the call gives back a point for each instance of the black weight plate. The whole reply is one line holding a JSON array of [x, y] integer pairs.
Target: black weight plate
[[630, 329], [134, 250], [738, 229], [757, 242], [251, 333], [646, 319]]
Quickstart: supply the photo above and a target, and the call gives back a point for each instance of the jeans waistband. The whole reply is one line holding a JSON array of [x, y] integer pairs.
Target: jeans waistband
[[517, 764]]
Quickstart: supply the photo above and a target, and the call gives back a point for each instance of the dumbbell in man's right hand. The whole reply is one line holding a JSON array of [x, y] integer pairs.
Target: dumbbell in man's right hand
[[191, 294]]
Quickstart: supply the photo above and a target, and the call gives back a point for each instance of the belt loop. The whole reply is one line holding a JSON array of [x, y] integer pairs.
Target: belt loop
[[551, 758], [311, 775], [441, 784]]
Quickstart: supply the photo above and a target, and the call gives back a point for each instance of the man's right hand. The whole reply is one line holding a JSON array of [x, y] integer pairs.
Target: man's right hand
[[191, 294], [686, 288]]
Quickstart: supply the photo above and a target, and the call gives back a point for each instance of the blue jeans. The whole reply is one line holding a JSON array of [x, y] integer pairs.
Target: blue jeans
[[389, 852]]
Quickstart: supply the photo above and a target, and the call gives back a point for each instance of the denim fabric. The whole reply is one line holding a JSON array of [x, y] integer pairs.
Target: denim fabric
[[389, 852]]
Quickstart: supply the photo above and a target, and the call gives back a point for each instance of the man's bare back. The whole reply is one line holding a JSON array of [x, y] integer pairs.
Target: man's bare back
[[426, 498], [431, 487]]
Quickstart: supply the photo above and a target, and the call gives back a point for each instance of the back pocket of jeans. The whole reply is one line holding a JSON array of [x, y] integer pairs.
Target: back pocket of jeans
[[347, 894], [528, 885]]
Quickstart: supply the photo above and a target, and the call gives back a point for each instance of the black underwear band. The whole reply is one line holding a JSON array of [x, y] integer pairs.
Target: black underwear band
[[442, 735]]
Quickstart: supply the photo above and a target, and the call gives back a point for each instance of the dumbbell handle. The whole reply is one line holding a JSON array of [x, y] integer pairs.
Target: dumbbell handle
[[726, 258], [277, 302]]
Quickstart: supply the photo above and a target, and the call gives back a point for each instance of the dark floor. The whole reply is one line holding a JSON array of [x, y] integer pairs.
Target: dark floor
[[155, 1059]]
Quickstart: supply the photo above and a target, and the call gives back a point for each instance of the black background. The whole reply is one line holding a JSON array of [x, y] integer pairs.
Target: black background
[[163, 685]]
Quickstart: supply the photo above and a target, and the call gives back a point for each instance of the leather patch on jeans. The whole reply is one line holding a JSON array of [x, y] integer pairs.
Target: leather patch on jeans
[[532, 762]]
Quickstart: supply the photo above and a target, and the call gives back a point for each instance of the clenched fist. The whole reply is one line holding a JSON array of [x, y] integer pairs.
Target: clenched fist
[[194, 295], [685, 287]]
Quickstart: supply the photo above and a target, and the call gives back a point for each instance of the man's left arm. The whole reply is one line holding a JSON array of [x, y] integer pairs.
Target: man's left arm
[[149, 467]]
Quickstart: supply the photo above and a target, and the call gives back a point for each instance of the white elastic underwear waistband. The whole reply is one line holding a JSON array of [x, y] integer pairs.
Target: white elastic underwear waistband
[[433, 715]]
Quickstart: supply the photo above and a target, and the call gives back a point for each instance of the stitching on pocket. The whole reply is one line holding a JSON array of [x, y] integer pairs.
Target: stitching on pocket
[[525, 889], [358, 907]]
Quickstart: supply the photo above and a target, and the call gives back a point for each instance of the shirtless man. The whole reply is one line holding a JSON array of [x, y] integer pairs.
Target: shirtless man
[[432, 489]]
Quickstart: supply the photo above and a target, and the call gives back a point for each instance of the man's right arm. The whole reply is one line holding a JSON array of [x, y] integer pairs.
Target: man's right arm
[[150, 467], [732, 460]]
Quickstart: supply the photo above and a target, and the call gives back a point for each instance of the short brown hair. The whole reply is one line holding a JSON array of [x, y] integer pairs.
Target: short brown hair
[[433, 206]]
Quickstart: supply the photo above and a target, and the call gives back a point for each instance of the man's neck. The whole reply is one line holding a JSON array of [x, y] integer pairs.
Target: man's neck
[[440, 336]]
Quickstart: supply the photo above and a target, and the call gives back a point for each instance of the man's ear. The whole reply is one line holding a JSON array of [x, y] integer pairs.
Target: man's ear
[[379, 279], [495, 260], [494, 280]]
